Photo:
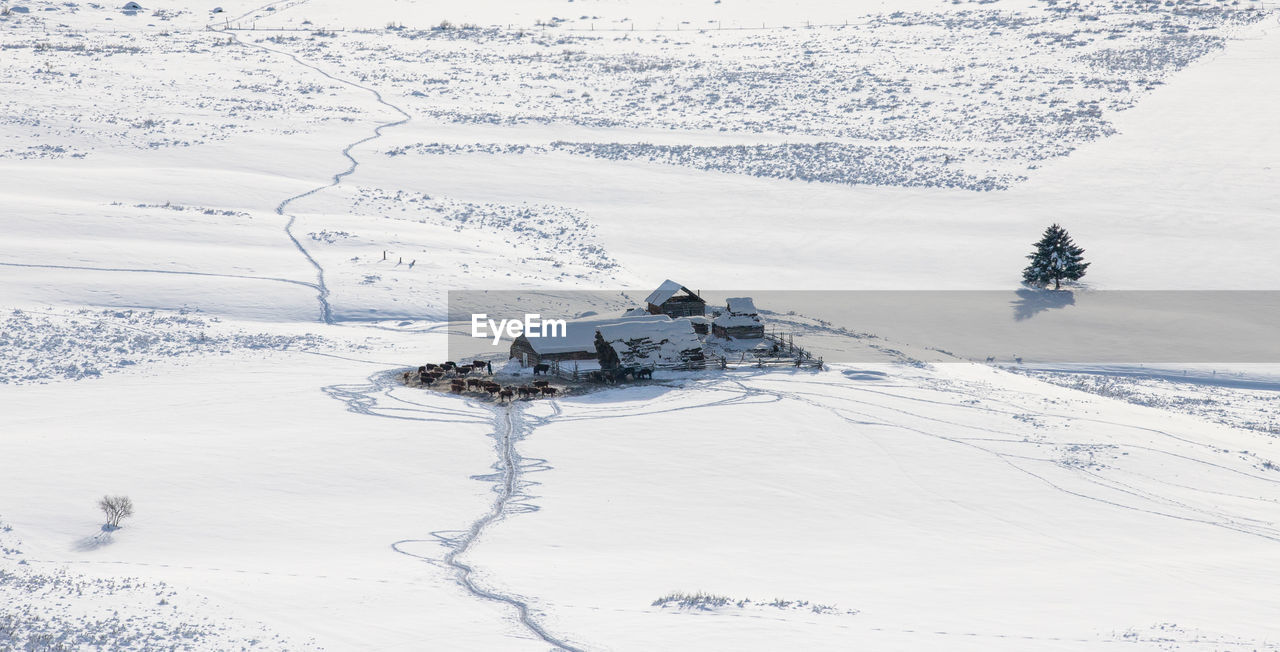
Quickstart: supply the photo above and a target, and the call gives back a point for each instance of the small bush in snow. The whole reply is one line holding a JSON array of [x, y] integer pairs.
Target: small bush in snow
[[697, 600], [116, 508]]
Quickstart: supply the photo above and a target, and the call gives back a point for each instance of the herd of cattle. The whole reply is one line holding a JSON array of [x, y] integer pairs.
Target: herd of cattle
[[473, 377], [619, 374]]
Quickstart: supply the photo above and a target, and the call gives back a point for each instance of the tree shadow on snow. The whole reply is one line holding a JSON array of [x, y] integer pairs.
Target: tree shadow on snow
[[96, 541], [1033, 302]]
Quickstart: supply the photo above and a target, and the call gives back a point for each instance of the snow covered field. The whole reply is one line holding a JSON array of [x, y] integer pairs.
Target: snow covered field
[[226, 233]]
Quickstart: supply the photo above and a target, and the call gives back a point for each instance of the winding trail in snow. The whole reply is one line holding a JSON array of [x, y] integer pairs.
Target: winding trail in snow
[[359, 399], [326, 310], [509, 426]]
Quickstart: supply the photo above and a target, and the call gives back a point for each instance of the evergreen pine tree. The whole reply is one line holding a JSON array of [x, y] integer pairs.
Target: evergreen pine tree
[[1055, 259]]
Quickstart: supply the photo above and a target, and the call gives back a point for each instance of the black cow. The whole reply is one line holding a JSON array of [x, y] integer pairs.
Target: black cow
[[541, 369]]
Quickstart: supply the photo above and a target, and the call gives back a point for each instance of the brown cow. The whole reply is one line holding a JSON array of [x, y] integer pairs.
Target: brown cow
[[507, 394], [548, 391], [474, 382], [524, 391], [541, 383]]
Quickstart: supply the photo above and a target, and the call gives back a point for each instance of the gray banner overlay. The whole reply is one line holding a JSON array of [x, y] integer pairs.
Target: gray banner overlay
[[1035, 326]]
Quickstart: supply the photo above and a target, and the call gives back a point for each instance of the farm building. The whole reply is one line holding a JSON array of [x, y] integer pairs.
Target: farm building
[[739, 321], [649, 345], [132, 6], [578, 342], [675, 300]]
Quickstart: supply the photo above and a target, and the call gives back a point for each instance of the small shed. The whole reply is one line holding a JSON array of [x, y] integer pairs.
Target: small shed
[[668, 343], [132, 6], [675, 300], [577, 343], [740, 320]]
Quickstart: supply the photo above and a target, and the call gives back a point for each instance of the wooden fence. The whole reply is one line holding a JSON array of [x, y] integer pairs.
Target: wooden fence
[[784, 353]]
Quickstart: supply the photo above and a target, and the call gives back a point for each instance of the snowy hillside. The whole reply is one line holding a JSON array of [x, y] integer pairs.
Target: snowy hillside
[[227, 235]]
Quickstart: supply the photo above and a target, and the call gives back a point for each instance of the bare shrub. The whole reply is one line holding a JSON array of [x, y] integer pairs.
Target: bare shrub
[[116, 508]]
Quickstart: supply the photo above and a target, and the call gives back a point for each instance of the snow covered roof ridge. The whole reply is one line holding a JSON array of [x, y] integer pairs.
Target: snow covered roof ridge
[[653, 344], [668, 289]]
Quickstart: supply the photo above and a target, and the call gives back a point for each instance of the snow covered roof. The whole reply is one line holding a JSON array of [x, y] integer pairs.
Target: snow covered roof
[[649, 344], [580, 334], [655, 329], [731, 321], [742, 306], [668, 289]]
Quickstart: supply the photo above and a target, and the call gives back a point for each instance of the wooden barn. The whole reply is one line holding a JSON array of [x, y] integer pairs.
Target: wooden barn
[[675, 300], [739, 321], [578, 342], [668, 343]]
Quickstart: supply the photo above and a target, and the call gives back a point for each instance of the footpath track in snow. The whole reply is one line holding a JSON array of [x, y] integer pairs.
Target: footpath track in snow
[[178, 272], [870, 412], [510, 424], [508, 420], [326, 311]]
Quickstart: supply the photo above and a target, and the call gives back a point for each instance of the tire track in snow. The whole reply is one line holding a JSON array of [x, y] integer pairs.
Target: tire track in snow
[[1242, 524], [326, 311], [1222, 519]]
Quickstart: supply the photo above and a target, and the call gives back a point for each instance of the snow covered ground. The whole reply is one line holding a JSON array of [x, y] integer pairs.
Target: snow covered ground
[[225, 233]]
